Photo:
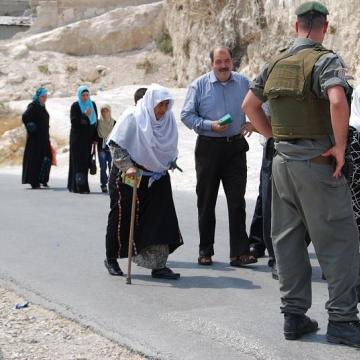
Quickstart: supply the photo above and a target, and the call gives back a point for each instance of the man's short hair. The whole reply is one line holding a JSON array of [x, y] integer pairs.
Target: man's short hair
[[311, 20], [222, 48], [139, 94]]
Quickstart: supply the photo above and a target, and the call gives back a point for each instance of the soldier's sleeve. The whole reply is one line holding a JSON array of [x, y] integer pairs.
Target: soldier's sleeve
[[257, 85], [329, 71]]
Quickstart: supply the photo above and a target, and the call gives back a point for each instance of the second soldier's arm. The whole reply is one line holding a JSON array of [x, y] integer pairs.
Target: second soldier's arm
[[252, 107]]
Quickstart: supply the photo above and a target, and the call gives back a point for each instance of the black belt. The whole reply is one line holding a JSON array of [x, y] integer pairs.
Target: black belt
[[223, 139]]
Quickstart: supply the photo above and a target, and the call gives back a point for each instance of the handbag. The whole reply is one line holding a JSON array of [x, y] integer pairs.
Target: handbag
[[92, 167], [53, 155]]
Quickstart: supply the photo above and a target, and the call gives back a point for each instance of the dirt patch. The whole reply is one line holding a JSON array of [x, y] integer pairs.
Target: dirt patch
[[36, 333], [9, 122], [12, 137]]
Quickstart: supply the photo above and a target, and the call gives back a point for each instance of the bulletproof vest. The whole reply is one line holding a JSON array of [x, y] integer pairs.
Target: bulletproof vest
[[296, 113]]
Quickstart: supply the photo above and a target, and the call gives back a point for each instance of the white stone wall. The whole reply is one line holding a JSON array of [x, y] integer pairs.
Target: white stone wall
[[54, 13], [13, 7]]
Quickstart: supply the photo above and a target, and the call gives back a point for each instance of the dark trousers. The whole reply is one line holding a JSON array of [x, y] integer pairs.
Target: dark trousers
[[105, 165], [260, 230], [112, 243], [217, 160], [265, 178], [256, 227]]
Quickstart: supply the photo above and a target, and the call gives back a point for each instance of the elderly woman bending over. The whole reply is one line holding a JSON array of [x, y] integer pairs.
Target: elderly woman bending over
[[144, 141]]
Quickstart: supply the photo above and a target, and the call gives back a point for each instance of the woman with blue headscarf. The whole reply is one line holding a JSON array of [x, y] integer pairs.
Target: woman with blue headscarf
[[37, 154], [83, 116]]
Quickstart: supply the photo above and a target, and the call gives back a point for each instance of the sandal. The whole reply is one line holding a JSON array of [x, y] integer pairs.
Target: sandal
[[243, 260], [205, 260]]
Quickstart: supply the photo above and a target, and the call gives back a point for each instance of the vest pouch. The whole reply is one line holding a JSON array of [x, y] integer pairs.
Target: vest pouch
[[286, 79]]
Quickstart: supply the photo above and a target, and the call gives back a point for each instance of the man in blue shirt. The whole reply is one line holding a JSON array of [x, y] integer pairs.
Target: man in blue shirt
[[220, 153]]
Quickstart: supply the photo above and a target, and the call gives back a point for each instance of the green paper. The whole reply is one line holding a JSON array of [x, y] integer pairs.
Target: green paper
[[226, 119]]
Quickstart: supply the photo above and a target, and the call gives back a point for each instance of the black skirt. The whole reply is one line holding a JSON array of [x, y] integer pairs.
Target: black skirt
[[155, 222]]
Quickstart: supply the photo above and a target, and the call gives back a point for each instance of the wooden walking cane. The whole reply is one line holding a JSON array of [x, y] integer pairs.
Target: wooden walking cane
[[131, 233]]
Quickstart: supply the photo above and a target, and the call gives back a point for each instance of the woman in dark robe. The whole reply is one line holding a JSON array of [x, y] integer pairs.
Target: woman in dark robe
[[144, 141], [37, 154], [83, 116], [353, 157]]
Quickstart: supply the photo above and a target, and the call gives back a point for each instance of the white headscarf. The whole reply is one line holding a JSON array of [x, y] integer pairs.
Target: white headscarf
[[151, 143], [355, 109], [105, 125]]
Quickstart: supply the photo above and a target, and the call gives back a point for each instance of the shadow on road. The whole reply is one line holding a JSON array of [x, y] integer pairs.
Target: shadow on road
[[47, 189], [59, 189], [202, 282], [65, 189], [217, 265], [317, 338]]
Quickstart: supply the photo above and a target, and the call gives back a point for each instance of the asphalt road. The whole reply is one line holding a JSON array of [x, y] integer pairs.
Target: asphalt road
[[52, 252]]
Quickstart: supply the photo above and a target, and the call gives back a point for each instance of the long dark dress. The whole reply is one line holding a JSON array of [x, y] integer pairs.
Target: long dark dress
[[156, 220], [37, 154], [82, 135]]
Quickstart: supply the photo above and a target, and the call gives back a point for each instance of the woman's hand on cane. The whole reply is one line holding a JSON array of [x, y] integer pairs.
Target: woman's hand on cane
[[131, 172]]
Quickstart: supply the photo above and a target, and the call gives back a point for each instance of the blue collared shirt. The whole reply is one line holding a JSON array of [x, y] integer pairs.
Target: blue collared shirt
[[208, 100]]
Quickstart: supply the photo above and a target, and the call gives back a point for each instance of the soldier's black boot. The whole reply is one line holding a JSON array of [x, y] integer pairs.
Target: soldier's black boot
[[346, 333], [297, 325]]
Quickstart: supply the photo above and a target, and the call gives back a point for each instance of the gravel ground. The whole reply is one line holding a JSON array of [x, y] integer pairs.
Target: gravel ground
[[36, 333]]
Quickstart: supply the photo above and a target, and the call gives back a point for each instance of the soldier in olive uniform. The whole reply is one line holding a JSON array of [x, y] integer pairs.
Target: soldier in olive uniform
[[307, 92]]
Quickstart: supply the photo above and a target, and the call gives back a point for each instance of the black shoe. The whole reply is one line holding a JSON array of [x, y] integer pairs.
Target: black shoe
[[165, 273], [297, 325], [347, 333], [45, 185], [113, 267], [274, 272], [35, 186], [104, 188]]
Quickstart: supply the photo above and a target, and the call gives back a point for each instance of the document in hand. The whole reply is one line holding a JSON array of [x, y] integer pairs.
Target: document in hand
[[226, 119]]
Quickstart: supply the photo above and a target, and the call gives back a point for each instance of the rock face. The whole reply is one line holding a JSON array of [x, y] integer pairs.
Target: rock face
[[119, 30], [254, 29], [55, 13]]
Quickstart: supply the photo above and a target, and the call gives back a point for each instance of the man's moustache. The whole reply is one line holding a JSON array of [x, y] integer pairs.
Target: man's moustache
[[224, 70]]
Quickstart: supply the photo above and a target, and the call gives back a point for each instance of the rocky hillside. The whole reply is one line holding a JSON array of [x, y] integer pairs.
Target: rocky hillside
[[255, 29], [118, 47], [105, 51]]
